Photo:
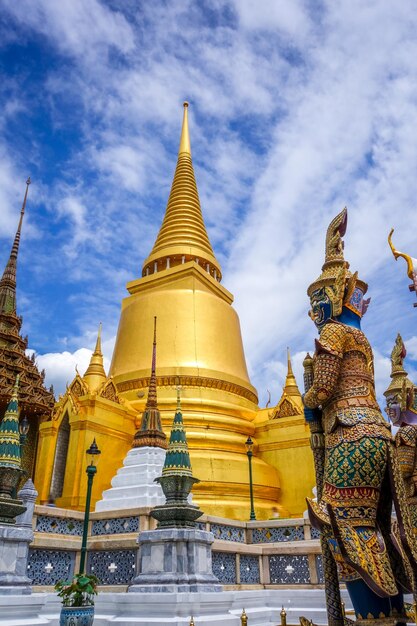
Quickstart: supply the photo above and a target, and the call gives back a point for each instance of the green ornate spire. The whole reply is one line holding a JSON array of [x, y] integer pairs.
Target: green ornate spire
[[177, 458], [177, 480], [9, 432]]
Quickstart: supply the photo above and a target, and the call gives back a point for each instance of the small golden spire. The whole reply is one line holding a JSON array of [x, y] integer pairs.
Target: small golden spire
[[95, 374], [290, 387], [185, 145]]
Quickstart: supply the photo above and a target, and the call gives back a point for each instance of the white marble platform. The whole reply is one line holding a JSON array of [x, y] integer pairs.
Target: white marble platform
[[262, 607], [134, 486]]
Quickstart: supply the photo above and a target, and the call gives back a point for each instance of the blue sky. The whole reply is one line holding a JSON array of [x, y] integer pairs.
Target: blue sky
[[296, 110]]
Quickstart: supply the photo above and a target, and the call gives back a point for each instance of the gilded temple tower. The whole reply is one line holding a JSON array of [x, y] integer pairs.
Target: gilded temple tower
[[199, 347]]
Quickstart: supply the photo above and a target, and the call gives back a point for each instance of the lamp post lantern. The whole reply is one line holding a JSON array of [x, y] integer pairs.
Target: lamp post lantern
[[91, 470], [249, 452]]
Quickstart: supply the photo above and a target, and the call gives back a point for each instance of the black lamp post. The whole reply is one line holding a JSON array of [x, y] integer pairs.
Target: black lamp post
[[92, 454], [249, 452]]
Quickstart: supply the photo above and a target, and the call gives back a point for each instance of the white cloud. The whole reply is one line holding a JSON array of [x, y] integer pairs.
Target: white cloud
[[60, 367], [78, 27]]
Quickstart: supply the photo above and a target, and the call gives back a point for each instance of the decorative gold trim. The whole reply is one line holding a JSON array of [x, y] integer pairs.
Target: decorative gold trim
[[188, 381]]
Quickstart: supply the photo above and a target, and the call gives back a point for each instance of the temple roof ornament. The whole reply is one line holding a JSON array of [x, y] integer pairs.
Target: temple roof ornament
[[150, 432], [411, 264], [183, 236], [400, 384], [95, 374], [34, 398], [290, 403]]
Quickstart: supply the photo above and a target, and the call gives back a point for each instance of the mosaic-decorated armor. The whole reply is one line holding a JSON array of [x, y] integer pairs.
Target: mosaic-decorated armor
[[401, 409], [361, 477]]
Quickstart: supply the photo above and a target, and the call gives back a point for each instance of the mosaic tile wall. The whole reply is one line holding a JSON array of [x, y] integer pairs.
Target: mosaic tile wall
[[249, 569], [114, 567], [46, 567], [224, 567], [228, 533], [280, 533], [59, 525], [289, 569], [115, 526]]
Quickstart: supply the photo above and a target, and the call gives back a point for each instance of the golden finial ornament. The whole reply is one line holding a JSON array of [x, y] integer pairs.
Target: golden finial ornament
[[283, 615], [192, 621], [411, 262], [244, 618], [185, 144]]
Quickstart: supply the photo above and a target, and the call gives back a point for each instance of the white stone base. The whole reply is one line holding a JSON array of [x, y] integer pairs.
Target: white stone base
[[133, 486]]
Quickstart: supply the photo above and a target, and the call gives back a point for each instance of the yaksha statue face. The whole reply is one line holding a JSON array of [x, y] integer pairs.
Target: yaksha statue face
[[393, 410], [321, 307]]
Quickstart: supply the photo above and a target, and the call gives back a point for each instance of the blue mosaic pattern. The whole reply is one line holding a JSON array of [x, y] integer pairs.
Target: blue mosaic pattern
[[289, 569], [113, 567], [76, 616], [228, 533], [200, 525], [59, 525], [224, 567], [319, 568], [46, 567], [280, 533], [115, 526], [249, 569], [315, 534]]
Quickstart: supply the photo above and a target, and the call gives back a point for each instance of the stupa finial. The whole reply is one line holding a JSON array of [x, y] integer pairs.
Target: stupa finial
[[185, 145]]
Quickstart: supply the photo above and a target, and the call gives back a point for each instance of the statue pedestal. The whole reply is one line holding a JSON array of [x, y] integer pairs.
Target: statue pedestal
[[14, 550], [134, 486], [174, 560]]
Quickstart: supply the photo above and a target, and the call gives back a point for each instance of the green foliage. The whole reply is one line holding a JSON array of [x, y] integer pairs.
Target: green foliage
[[79, 591]]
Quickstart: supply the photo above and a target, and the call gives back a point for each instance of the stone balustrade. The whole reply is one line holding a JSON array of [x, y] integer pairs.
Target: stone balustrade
[[245, 554]]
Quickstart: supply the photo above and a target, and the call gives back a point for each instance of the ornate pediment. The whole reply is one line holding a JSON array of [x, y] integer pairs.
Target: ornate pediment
[[285, 408], [109, 391]]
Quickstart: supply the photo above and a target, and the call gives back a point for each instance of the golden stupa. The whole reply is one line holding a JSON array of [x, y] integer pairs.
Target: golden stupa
[[199, 348]]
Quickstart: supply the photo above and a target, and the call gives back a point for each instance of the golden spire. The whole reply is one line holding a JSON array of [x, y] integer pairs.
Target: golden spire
[[290, 404], [8, 280], [290, 387], [183, 235], [95, 374]]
